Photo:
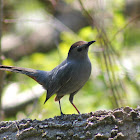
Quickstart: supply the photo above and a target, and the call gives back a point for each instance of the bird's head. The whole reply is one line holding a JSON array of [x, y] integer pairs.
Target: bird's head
[[79, 50]]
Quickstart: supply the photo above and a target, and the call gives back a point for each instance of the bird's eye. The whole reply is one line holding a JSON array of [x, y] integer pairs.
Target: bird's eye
[[79, 49]]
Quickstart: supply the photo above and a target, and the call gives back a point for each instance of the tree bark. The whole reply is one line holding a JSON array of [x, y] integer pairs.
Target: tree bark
[[119, 124]]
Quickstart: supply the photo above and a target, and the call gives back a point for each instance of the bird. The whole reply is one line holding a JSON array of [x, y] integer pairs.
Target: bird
[[66, 78]]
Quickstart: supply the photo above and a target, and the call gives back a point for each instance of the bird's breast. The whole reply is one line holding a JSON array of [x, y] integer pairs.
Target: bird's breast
[[79, 75], [82, 71]]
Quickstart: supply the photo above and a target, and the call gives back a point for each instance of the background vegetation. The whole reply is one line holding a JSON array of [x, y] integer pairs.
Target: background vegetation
[[115, 77]]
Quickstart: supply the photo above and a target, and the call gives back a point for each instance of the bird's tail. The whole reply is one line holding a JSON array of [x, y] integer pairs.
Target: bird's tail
[[27, 71]]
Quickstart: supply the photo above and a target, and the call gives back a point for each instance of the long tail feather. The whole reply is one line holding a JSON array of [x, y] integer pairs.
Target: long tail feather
[[26, 71]]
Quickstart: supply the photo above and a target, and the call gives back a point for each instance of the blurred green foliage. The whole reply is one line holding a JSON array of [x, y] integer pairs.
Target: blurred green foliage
[[96, 93]]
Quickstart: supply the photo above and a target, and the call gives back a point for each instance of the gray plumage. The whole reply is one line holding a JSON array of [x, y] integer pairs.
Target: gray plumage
[[67, 78]]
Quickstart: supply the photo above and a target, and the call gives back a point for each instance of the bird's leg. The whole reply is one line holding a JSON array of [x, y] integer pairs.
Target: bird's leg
[[75, 107], [60, 108], [71, 101]]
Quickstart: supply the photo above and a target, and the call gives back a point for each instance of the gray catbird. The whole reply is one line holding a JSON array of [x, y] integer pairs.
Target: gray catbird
[[67, 78]]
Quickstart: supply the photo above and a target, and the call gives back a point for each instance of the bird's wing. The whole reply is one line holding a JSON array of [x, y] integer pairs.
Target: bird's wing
[[60, 76]]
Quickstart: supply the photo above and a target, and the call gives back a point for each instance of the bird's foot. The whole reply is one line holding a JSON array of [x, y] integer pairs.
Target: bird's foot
[[62, 114]]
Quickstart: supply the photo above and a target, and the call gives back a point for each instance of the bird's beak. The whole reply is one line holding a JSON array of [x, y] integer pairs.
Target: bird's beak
[[91, 42], [88, 44]]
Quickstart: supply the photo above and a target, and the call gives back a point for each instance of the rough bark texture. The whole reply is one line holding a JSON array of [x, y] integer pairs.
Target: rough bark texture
[[119, 124]]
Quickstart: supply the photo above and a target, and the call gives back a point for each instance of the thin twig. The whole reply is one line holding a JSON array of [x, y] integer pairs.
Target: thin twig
[[121, 29], [107, 58]]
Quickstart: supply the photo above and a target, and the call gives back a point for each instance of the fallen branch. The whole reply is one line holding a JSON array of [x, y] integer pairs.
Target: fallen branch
[[119, 124], [19, 101]]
